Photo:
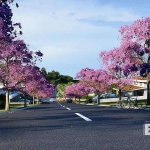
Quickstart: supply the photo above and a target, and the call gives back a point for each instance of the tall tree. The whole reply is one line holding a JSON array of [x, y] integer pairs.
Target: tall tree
[[118, 63], [13, 52], [99, 80], [139, 33]]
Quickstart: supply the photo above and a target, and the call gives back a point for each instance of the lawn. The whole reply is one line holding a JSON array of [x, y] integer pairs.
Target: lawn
[[15, 107]]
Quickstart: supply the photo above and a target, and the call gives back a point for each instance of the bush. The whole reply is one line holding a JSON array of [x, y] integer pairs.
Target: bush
[[87, 97], [2, 101], [90, 100]]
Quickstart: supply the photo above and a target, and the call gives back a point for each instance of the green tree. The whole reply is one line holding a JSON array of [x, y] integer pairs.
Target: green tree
[[61, 89], [54, 77], [43, 70]]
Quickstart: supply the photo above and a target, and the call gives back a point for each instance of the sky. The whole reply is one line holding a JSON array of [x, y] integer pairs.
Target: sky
[[72, 33]]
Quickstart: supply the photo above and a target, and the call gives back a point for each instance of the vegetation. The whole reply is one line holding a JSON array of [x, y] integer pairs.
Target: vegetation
[[54, 77]]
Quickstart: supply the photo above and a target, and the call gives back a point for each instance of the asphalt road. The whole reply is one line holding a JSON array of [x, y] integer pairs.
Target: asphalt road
[[54, 127]]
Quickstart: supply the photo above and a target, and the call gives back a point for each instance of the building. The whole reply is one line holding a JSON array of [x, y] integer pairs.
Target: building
[[137, 89]]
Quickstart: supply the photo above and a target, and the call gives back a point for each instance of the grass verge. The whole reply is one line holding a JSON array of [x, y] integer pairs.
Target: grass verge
[[15, 107]]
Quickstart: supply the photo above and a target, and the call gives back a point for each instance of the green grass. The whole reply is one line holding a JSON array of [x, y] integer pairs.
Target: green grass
[[14, 107], [2, 111]]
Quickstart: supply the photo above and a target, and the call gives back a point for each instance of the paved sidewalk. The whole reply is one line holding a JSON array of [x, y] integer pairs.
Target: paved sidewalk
[[114, 106]]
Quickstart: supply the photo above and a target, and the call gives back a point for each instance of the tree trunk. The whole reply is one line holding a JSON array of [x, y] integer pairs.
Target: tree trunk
[[37, 100], [148, 93], [7, 90], [25, 101], [120, 94], [98, 100], [87, 100], [7, 101], [33, 100]]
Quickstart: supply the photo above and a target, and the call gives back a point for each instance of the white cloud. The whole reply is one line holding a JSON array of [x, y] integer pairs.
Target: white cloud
[[53, 27]]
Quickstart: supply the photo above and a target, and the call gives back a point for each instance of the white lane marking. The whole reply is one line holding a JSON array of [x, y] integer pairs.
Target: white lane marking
[[85, 118], [59, 103], [63, 106], [68, 108]]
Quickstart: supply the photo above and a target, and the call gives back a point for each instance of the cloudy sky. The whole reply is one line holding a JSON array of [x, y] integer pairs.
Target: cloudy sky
[[72, 33]]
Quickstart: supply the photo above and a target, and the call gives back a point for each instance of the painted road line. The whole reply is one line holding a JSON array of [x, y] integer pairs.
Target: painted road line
[[85, 118], [63, 106], [68, 108], [59, 103]]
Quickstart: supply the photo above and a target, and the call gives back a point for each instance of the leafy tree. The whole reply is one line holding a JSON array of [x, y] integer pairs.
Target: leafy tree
[[61, 89], [43, 71], [54, 77], [65, 78]]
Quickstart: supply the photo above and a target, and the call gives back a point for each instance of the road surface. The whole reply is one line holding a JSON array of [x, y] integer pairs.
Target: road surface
[[65, 126]]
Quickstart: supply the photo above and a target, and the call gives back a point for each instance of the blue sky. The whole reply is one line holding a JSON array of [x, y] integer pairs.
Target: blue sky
[[72, 33]]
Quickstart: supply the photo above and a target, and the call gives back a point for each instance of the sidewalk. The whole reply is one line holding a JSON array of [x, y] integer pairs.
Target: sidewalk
[[114, 106]]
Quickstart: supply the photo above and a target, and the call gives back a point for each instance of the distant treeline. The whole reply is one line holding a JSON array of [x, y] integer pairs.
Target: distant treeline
[[54, 77]]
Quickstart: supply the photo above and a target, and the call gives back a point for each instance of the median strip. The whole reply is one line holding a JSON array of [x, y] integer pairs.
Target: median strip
[[85, 118]]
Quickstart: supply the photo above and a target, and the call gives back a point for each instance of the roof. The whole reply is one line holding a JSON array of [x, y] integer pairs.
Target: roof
[[140, 78], [130, 88]]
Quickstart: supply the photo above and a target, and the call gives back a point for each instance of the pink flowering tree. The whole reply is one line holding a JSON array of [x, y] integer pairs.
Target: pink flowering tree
[[30, 81], [74, 91], [13, 52], [119, 63], [38, 86], [135, 39], [77, 90], [139, 33], [13, 58], [98, 80], [39, 89], [69, 91]]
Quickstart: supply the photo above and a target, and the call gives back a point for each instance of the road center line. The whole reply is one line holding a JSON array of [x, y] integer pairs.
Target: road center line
[[59, 103], [63, 106], [85, 118]]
